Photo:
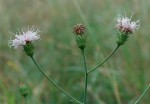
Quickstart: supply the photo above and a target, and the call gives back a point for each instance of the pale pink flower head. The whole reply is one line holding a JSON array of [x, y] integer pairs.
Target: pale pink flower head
[[22, 38], [125, 25]]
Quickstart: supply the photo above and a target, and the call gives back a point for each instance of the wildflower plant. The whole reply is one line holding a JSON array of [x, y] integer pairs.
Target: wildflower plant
[[124, 26]]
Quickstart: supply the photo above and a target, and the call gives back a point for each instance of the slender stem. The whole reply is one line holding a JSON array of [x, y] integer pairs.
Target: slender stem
[[105, 59], [142, 94], [27, 101], [54, 82], [86, 76]]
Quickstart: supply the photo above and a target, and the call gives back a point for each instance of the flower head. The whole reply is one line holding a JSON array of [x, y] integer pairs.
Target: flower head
[[21, 39], [79, 29], [125, 25]]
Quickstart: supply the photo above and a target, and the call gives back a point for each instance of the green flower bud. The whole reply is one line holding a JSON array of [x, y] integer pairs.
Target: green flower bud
[[24, 90], [122, 38], [29, 49], [81, 41]]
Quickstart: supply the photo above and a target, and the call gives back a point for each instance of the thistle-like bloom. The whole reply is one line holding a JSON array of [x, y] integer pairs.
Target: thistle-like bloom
[[21, 39], [125, 25], [79, 29]]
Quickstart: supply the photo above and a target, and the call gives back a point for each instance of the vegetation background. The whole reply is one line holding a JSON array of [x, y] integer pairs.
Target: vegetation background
[[119, 81]]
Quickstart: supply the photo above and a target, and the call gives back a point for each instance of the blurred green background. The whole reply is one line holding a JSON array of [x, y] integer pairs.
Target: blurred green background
[[119, 81]]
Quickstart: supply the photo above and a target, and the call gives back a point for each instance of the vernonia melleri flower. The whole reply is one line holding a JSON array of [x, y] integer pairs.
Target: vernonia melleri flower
[[125, 25], [22, 38]]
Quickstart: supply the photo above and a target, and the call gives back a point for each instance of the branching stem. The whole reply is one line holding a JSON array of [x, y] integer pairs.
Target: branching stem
[[105, 59], [57, 86]]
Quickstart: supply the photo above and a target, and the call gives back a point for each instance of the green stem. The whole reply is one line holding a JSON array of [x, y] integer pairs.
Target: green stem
[[27, 101], [142, 94], [86, 76], [55, 83], [105, 59]]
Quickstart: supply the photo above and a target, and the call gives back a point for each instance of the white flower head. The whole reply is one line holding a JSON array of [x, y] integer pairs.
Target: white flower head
[[125, 25], [22, 38]]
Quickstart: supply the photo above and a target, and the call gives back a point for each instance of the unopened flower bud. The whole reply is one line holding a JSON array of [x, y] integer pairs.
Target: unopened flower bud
[[79, 31], [24, 90], [29, 49]]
